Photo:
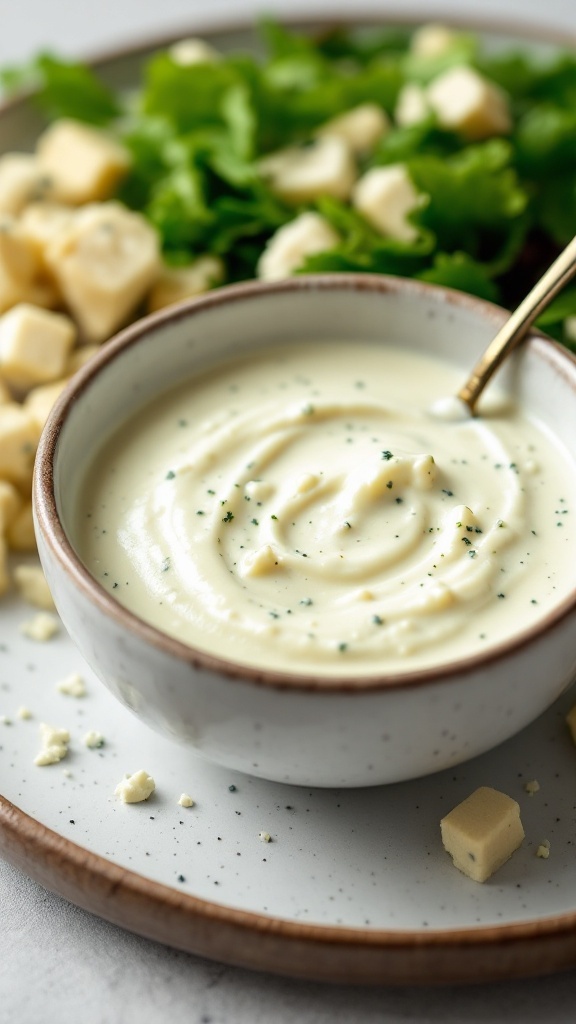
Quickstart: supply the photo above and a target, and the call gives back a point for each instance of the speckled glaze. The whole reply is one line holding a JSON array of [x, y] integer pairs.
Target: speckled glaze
[[287, 728]]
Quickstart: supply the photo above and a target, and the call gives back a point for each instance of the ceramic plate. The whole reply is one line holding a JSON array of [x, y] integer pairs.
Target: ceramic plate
[[353, 886]]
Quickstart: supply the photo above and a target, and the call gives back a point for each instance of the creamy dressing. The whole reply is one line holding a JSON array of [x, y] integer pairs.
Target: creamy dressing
[[301, 509]]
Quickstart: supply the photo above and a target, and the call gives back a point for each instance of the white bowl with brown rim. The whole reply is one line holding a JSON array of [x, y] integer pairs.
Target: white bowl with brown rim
[[294, 727]]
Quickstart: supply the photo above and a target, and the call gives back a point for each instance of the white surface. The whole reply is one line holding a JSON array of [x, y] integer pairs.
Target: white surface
[[59, 963]]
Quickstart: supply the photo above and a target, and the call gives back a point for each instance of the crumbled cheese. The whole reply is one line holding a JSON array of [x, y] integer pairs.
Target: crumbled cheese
[[571, 722], [264, 837], [24, 713], [20, 533], [72, 686], [411, 105], [386, 196], [544, 849], [361, 128], [40, 400], [432, 40], [10, 504], [93, 740], [135, 788], [41, 628], [289, 246], [466, 102], [34, 345], [18, 442], [301, 174], [178, 283], [104, 264], [482, 832], [20, 182], [187, 52], [31, 583], [4, 574], [54, 745], [532, 787], [186, 801], [83, 162]]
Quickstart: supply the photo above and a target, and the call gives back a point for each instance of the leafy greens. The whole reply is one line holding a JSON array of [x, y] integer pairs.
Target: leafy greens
[[196, 133]]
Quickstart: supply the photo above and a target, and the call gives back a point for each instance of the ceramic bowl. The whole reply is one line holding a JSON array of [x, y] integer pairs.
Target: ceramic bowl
[[281, 726]]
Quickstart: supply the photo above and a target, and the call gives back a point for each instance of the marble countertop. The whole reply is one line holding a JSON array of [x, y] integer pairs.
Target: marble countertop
[[59, 962]]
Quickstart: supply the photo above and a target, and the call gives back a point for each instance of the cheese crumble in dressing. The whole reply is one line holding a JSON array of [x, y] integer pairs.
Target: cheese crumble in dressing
[[301, 508]]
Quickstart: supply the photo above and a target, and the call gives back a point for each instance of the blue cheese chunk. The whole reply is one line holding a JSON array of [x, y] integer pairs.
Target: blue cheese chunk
[[54, 745], [482, 832], [133, 789]]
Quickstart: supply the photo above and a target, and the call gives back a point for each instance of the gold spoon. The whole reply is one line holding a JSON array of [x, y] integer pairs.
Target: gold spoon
[[561, 271]]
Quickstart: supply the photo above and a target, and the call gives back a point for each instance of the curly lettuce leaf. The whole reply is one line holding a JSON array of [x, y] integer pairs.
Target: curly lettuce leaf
[[472, 195], [65, 89], [460, 271]]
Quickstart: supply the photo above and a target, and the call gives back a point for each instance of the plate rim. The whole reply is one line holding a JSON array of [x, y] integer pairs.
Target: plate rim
[[257, 941]]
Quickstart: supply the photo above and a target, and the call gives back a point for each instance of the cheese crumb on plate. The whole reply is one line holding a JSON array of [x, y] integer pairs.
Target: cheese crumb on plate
[[482, 832], [133, 789]]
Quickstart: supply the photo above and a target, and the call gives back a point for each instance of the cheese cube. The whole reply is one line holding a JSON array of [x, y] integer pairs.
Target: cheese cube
[[40, 401], [10, 505], [193, 51], [432, 40], [385, 196], [482, 832], [104, 265], [411, 106], [84, 164], [178, 283], [34, 345], [18, 441], [17, 255], [20, 278], [571, 722], [32, 586], [41, 223], [135, 788], [300, 174], [4, 575], [466, 102], [79, 358], [288, 247], [361, 128], [21, 182], [20, 533]]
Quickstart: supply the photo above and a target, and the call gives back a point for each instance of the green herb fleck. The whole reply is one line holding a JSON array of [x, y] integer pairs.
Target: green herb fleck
[[170, 474], [228, 517], [387, 456]]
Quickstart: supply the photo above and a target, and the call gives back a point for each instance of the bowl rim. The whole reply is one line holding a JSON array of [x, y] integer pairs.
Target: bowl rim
[[54, 534]]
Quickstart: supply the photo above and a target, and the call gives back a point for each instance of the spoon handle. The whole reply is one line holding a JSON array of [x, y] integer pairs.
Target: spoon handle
[[561, 271]]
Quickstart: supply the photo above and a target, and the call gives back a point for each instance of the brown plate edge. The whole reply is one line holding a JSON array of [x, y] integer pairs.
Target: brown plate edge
[[255, 941]]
